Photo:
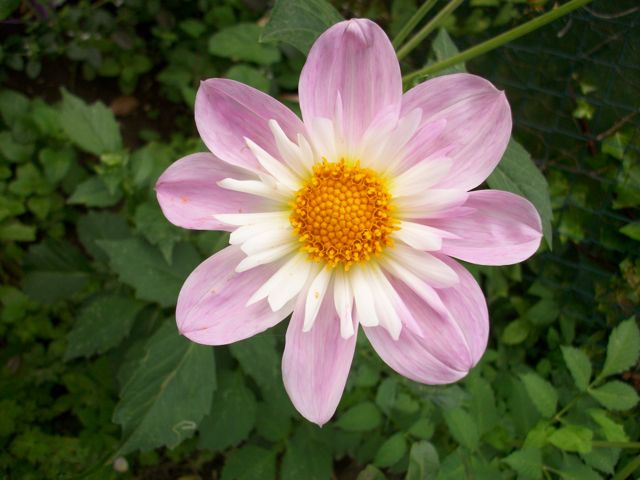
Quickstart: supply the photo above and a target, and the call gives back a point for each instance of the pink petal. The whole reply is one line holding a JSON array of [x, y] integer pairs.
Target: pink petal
[[227, 111], [315, 364], [450, 345], [502, 229], [351, 76], [212, 303], [478, 126], [189, 194]]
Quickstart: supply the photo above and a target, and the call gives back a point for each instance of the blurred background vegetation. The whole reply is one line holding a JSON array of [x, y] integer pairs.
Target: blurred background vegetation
[[91, 269]]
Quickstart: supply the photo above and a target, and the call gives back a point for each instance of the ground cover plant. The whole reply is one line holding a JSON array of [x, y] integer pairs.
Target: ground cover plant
[[96, 102]]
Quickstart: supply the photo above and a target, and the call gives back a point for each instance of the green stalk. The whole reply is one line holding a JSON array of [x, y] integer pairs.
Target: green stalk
[[428, 28], [499, 40], [628, 469], [413, 21]]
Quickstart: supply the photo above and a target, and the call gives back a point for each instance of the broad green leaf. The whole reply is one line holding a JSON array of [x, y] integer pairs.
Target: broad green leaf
[[95, 226], [142, 266], [12, 104], [615, 395], [153, 225], [526, 462], [574, 469], [602, 459], [94, 192], [541, 392], [391, 451], [424, 461], [444, 48], [249, 76], [623, 348], [56, 162], [632, 230], [168, 392], [371, 473], [299, 23], [274, 417], [15, 231], [306, 457], [260, 360], [54, 271], [482, 405], [101, 324], [612, 431], [250, 463], [360, 418], [240, 42], [232, 415], [572, 438], [579, 365], [516, 332], [539, 435], [463, 428], [517, 173], [93, 128]]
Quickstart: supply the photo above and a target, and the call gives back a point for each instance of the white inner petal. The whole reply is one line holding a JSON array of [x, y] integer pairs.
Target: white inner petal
[[420, 237], [387, 312], [315, 296], [420, 177], [255, 187], [251, 218], [293, 154], [324, 139], [267, 240], [247, 232], [275, 167], [430, 203], [386, 148], [365, 303], [266, 256], [343, 300], [432, 270]]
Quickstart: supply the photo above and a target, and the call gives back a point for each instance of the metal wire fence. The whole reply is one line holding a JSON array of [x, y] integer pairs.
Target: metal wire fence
[[574, 86]]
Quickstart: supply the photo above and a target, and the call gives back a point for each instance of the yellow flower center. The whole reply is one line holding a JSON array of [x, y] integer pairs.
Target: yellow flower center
[[342, 214]]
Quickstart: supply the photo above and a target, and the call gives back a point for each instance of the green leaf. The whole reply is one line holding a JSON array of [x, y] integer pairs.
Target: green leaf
[[371, 473], [94, 192], [579, 365], [168, 392], [612, 431], [56, 163], [249, 76], [306, 457], [518, 174], [424, 461], [623, 348], [526, 462], [102, 324], [615, 395], [632, 230], [391, 451], [603, 459], [360, 418], [572, 438], [299, 23], [250, 463], [15, 231], [516, 332], [233, 414], [13, 104], [96, 226], [274, 417], [93, 128], [240, 43], [444, 48], [541, 392], [142, 266], [463, 428], [54, 271], [482, 405], [153, 225], [574, 469]]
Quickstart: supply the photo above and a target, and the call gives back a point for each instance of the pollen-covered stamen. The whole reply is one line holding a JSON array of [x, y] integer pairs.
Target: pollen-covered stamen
[[342, 214]]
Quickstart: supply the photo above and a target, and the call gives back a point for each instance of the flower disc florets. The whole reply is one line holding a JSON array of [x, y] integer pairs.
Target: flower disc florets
[[342, 214]]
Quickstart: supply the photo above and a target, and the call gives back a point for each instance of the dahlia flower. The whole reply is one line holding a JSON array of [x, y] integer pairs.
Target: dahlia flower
[[349, 217]]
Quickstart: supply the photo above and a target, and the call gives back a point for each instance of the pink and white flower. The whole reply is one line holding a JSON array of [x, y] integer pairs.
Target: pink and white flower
[[349, 217]]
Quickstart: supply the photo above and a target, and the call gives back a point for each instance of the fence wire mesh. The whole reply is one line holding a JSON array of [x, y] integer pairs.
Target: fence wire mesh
[[574, 88]]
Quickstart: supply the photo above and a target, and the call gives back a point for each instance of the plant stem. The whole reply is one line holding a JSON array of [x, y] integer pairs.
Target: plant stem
[[499, 40], [413, 21], [428, 28], [628, 469], [599, 444]]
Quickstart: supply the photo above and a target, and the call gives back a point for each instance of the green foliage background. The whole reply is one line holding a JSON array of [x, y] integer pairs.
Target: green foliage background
[[96, 101]]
